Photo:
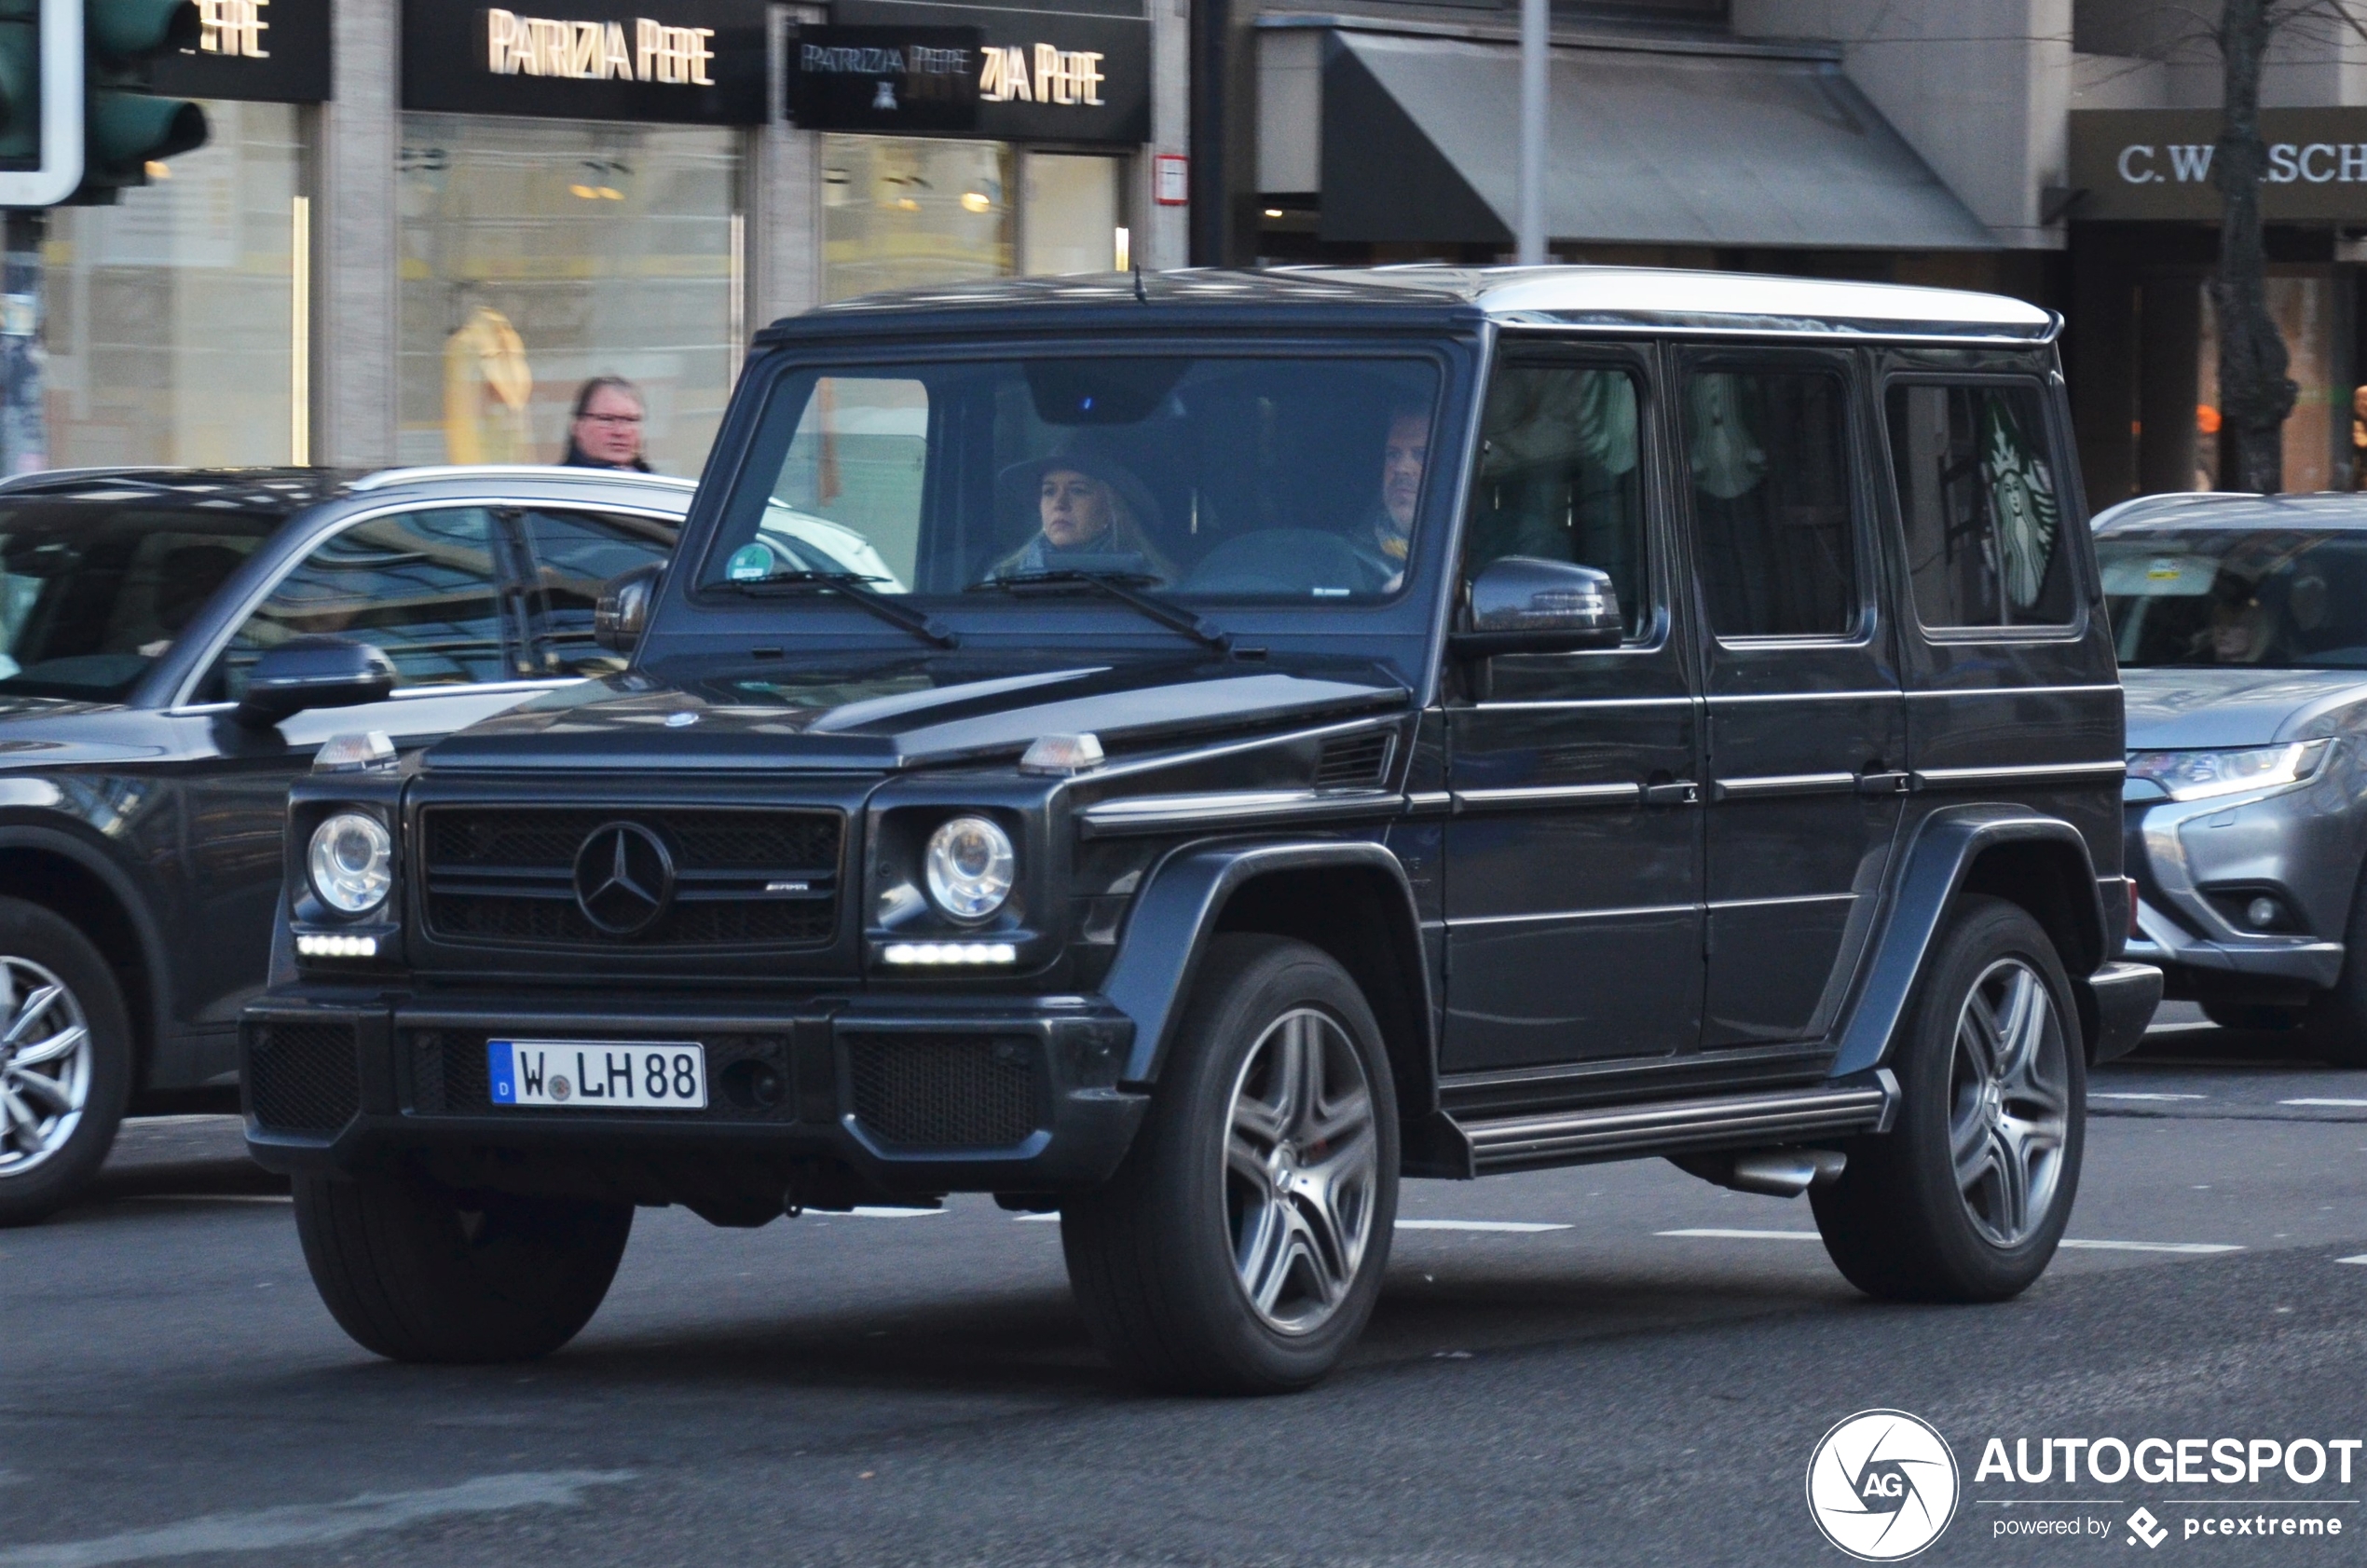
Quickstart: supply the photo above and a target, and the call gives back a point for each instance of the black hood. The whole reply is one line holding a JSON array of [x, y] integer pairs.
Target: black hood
[[881, 712]]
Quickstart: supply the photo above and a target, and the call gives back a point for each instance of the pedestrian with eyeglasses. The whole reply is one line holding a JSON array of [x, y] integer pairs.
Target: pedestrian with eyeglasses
[[605, 431]]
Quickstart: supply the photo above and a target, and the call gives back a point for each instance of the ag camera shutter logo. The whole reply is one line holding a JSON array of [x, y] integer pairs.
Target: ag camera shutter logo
[[1882, 1485]]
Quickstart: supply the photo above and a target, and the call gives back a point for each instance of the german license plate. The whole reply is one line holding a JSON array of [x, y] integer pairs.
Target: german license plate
[[598, 1074]]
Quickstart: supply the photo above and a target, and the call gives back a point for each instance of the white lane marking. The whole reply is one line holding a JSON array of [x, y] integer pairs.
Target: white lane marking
[[860, 1212], [2196, 1247], [2179, 1029], [1714, 1233], [209, 1197], [2360, 1258], [2093, 1094], [1512, 1227], [2322, 1102], [1037, 1219], [314, 1524]]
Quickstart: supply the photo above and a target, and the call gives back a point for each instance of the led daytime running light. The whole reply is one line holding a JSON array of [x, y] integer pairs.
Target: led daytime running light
[[941, 953], [312, 944]]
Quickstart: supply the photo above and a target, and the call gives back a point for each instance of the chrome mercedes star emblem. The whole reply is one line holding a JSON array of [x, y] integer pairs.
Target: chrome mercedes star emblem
[[623, 878]]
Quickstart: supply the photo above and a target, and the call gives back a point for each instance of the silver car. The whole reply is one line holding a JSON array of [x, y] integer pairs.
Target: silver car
[[2242, 626]]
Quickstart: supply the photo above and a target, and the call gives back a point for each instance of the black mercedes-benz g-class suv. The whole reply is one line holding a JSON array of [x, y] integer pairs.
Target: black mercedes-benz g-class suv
[[1290, 731]]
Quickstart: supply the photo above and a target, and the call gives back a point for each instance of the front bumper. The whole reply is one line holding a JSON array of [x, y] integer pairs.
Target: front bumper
[[2292, 844], [824, 1100]]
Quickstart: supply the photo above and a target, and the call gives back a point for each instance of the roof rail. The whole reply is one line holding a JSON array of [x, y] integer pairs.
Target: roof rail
[[43, 478], [552, 471]]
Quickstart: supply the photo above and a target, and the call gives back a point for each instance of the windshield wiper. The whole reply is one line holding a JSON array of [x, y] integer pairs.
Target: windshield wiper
[[850, 586], [1124, 587]]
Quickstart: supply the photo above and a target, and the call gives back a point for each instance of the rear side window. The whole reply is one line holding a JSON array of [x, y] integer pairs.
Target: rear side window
[[572, 555], [1981, 504], [1768, 451]]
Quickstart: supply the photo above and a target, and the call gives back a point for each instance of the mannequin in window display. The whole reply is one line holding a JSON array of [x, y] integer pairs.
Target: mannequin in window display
[[487, 386]]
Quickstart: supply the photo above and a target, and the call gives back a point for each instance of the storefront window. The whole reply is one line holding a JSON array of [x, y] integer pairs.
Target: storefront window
[[2303, 308], [540, 253], [1072, 218], [170, 317], [904, 212]]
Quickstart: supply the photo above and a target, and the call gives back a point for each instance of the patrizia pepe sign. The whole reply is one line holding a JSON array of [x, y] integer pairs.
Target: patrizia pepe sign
[[2157, 164], [692, 61], [1015, 75]]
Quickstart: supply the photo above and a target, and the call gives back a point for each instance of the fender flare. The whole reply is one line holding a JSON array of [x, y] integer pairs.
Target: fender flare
[[1168, 931], [126, 892], [1931, 874]]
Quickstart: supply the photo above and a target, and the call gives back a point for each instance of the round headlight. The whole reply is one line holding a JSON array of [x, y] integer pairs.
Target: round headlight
[[352, 863], [970, 864]]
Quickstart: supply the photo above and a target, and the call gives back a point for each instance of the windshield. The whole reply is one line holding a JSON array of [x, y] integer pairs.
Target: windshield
[[91, 596], [2277, 598], [1238, 477]]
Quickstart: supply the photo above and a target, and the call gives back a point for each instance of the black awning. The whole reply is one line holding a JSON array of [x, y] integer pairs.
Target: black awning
[[1421, 144]]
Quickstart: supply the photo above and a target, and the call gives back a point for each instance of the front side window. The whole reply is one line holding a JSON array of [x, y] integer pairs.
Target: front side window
[[420, 586], [91, 596], [1768, 454], [1560, 476], [572, 554], [2276, 598], [1979, 504], [1213, 477]]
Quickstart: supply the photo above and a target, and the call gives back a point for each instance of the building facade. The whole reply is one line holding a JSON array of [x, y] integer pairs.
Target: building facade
[[1976, 142], [418, 226]]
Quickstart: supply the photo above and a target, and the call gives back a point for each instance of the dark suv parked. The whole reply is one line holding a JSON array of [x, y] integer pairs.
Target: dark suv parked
[[168, 641], [1301, 729]]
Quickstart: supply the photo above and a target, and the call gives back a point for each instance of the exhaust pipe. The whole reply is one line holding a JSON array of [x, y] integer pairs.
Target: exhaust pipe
[[1781, 1173]]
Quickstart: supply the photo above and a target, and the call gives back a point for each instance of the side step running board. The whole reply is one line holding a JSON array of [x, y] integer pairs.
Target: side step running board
[[1862, 1103]]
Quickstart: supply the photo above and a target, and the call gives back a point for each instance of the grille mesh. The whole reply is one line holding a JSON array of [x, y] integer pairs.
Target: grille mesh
[[935, 1093], [504, 875], [303, 1077]]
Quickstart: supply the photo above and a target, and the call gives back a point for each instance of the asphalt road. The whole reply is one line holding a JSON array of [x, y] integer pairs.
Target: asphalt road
[[1587, 1384]]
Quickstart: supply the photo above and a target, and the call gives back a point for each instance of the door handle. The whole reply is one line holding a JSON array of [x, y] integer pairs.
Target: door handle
[[1888, 781], [1679, 792]]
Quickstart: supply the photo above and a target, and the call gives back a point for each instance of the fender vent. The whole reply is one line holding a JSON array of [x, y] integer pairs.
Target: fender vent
[[1351, 761], [303, 1077]]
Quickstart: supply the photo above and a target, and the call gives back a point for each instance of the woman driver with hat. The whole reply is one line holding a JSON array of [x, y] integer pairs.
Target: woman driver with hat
[[1088, 504]]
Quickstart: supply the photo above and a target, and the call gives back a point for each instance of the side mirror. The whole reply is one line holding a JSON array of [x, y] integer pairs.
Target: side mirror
[[624, 608], [1523, 604], [314, 673]]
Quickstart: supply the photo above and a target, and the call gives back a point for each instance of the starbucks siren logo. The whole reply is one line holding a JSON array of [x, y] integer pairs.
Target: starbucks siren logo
[[2021, 495]]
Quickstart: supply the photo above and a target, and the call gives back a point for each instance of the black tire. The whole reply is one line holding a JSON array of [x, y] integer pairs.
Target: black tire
[[1152, 1256], [415, 1272], [2336, 1022], [1899, 1224], [45, 1164]]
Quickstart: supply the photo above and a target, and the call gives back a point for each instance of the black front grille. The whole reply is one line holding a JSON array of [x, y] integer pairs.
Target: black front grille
[[303, 1077], [754, 878], [1352, 759], [943, 1093]]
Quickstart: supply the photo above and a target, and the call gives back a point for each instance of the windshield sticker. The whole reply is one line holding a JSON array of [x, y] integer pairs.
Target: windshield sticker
[[750, 563]]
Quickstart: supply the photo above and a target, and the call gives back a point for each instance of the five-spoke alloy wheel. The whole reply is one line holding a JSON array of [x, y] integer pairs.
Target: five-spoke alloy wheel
[[1241, 1245], [2009, 1102], [1965, 1198], [65, 1061], [1302, 1168]]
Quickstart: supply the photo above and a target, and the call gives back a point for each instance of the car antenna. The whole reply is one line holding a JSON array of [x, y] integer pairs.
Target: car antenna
[[1140, 298]]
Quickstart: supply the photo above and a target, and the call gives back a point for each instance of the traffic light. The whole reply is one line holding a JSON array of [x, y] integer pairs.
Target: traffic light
[[125, 128], [40, 101]]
